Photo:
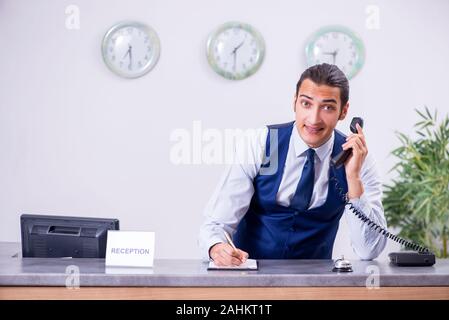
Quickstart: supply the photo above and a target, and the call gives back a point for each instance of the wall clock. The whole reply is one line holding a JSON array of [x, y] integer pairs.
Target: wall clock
[[336, 45], [130, 49], [235, 50]]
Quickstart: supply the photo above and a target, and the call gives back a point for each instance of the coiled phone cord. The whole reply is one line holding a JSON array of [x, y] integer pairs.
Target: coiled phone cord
[[375, 226]]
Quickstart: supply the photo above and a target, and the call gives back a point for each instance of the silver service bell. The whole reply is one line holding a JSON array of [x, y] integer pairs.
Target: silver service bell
[[342, 265]]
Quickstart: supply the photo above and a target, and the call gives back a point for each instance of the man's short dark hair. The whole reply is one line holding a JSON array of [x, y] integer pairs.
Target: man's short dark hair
[[327, 74]]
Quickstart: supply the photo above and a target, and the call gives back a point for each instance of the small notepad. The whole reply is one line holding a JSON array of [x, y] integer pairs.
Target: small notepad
[[250, 264]]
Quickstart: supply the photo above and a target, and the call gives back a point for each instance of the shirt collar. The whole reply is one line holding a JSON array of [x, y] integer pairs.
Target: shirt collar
[[301, 147]]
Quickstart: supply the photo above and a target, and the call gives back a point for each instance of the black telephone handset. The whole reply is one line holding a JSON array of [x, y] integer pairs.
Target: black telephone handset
[[420, 256], [341, 158]]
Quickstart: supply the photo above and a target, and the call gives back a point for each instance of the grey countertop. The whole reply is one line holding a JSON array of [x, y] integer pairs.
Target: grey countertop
[[17, 271]]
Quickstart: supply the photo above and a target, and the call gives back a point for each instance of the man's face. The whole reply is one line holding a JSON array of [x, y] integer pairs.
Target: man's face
[[318, 109]]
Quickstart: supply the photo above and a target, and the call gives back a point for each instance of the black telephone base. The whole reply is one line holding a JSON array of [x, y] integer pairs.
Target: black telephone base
[[412, 258]]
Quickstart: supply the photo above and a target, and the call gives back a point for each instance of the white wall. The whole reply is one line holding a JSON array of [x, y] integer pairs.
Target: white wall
[[77, 140]]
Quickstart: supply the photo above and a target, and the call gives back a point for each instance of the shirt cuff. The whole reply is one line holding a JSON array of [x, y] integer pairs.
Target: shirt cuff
[[366, 243], [360, 204], [213, 241]]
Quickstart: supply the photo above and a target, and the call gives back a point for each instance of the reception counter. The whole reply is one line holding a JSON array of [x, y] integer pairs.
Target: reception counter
[[37, 278]]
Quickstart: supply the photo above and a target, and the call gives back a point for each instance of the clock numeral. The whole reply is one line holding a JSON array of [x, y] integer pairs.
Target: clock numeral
[[146, 40], [350, 62], [254, 51], [139, 64], [113, 58], [130, 30], [121, 64], [251, 60], [130, 67], [236, 30], [335, 35], [111, 49], [243, 66], [146, 57]]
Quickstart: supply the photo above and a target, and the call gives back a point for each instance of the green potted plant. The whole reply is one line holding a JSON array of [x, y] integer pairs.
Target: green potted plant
[[417, 200]]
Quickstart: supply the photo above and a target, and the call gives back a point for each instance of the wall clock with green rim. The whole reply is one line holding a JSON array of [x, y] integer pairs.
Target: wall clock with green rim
[[130, 49], [235, 50], [336, 45]]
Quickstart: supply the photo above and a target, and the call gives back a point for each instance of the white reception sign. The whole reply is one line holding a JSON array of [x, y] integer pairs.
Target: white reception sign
[[130, 248]]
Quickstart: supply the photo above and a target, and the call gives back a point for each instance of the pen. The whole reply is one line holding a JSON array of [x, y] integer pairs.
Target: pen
[[228, 238]]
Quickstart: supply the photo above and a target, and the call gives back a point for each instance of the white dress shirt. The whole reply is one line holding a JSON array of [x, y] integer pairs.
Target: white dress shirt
[[232, 196]]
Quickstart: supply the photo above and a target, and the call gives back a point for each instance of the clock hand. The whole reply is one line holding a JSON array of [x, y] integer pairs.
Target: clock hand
[[130, 56], [128, 51], [125, 54], [234, 52], [334, 55], [239, 45], [236, 48]]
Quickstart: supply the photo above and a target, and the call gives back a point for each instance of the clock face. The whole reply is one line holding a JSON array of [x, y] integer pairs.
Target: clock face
[[130, 49], [235, 50], [336, 45]]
